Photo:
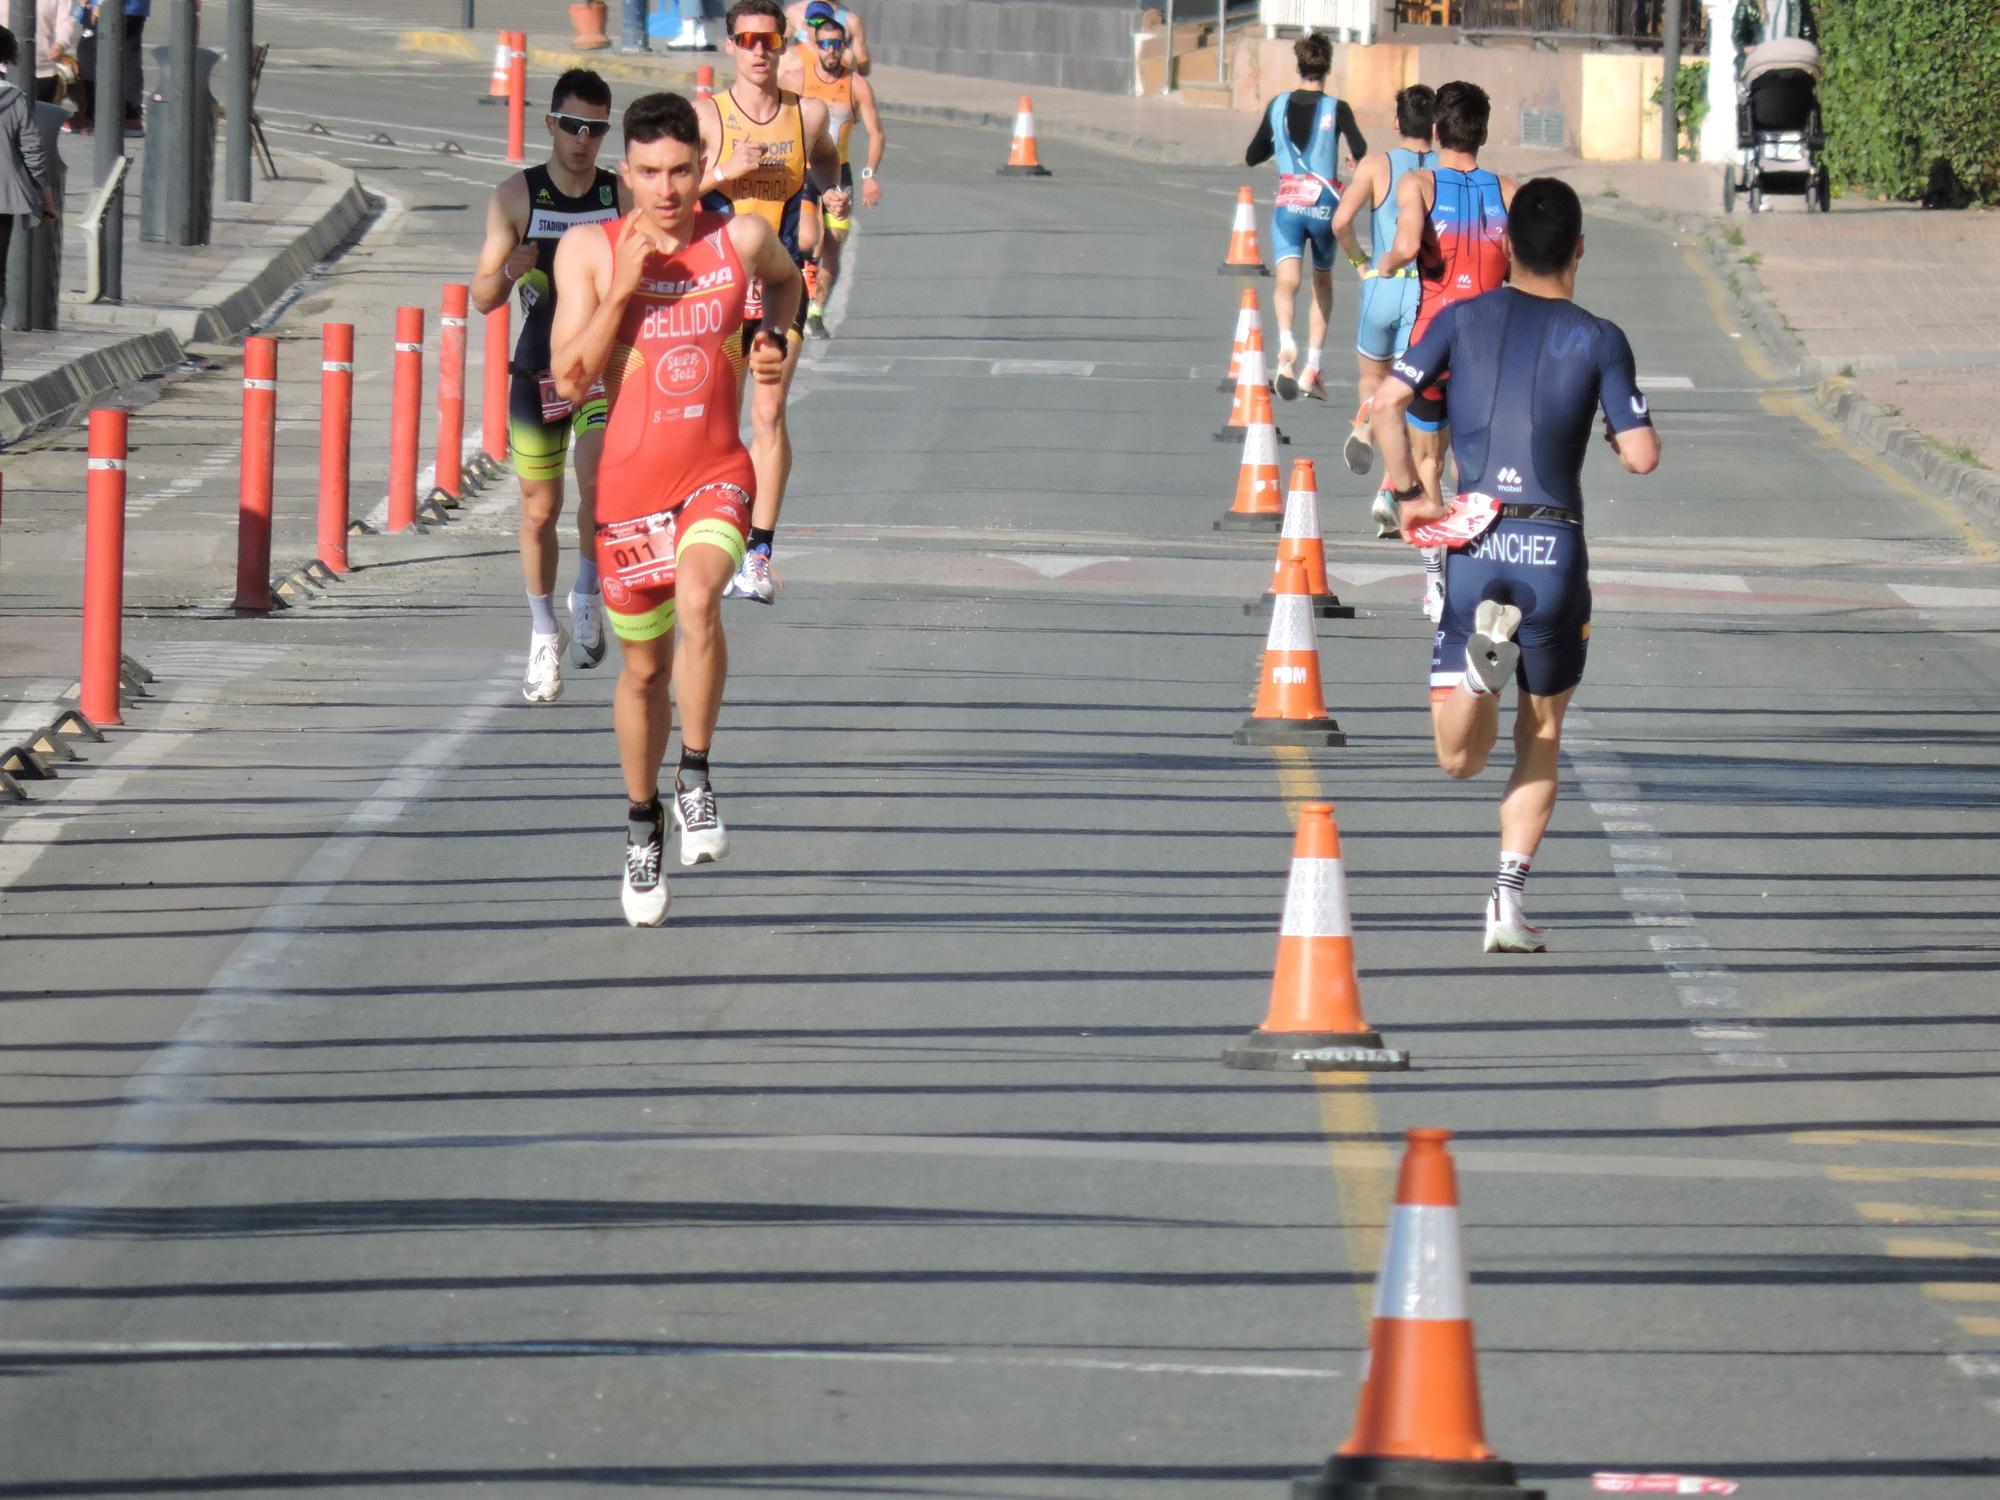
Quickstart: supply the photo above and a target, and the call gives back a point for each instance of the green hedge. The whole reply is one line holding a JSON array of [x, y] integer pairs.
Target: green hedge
[[1910, 84]]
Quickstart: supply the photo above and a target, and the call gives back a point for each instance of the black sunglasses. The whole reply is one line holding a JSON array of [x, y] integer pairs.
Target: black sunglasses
[[577, 125]]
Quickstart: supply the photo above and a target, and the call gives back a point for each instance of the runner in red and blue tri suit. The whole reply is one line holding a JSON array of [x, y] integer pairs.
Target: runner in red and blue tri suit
[[1530, 372], [1449, 219]]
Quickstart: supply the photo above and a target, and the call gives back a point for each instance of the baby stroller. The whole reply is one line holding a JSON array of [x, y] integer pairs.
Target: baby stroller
[[1778, 138]]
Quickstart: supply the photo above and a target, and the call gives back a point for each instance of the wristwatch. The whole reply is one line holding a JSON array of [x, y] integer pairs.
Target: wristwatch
[[867, 174]]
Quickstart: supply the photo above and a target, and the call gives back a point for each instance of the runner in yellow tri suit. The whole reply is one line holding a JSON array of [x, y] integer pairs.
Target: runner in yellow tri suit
[[763, 151], [824, 70]]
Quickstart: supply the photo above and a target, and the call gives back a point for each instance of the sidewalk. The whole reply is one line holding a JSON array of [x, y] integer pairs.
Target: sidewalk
[[174, 296], [1885, 306]]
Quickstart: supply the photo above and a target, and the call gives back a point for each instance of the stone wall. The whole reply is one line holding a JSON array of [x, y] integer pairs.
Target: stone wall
[[1072, 44]]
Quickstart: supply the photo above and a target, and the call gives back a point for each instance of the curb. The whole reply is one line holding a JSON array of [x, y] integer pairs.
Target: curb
[[1866, 421], [328, 216]]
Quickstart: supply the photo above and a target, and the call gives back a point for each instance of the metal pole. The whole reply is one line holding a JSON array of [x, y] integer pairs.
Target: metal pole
[[1167, 82], [1670, 67], [19, 271], [242, 44], [1222, 42], [465, 14], [109, 122], [177, 174]]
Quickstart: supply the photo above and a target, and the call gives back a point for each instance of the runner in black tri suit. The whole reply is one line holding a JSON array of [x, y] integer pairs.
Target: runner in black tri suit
[[1529, 373], [529, 214]]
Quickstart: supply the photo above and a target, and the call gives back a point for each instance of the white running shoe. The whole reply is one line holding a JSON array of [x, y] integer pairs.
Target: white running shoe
[[754, 580], [1506, 935], [586, 629], [1383, 514], [1433, 599], [1285, 382], [1358, 451], [1490, 652], [703, 838], [644, 895], [543, 682], [1314, 385]]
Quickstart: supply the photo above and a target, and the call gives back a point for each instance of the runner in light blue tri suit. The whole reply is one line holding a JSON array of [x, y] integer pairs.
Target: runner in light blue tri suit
[[1303, 129], [1388, 307]]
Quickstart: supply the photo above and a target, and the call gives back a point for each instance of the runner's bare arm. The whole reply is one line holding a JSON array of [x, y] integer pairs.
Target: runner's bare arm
[[1638, 448], [791, 72], [823, 158], [577, 358], [766, 258], [504, 258], [1362, 190], [710, 116], [871, 121], [857, 43], [1412, 209]]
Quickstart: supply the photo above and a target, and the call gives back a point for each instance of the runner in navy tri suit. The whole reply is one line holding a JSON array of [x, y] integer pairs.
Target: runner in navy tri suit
[[1529, 373]]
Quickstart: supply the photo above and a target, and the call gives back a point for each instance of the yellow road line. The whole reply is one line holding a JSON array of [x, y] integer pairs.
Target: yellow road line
[[1920, 1213], [1913, 1174], [1911, 1249], [1893, 1137], [1963, 1291], [1363, 1166], [1747, 347], [1980, 1328]]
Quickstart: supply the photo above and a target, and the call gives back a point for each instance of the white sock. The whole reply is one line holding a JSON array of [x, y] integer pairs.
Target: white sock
[[544, 611], [1312, 358], [1434, 564], [1510, 886], [1288, 347], [586, 576]]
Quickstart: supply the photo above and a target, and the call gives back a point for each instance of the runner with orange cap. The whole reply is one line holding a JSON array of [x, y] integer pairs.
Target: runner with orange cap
[[824, 70]]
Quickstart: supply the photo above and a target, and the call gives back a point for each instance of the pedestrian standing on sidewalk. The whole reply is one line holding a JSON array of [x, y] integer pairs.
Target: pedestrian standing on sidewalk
[[136, 12], [24, 164], [56, 26]]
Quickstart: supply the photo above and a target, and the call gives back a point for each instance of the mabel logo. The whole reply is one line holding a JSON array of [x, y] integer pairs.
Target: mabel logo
[[1465, 279], [1510, 480], [681, 371], [1639, 405], [1409, 371]]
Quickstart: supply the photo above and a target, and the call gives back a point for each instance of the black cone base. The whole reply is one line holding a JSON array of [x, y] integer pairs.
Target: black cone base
[[1316, 1052], [1412, 1479], [1322, 733], [1236, 521], [1037, 171], [1257, 270], [1325, 607]]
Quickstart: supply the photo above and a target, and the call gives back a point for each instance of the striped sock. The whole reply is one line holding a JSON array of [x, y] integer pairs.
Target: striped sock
[[1510, 885]]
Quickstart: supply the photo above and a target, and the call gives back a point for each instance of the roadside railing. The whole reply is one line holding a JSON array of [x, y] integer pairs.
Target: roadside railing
[[1635, 21]]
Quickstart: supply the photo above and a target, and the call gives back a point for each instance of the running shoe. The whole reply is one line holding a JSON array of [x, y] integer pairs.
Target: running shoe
[[703, 838], [1506, 935], [1433, 599], [543, 682], [1383, 514], [1314, 385], [754, 580], [1285, 382], [644, 895], [816, 323], [1359, 452], [586, 629], [1490, 652]]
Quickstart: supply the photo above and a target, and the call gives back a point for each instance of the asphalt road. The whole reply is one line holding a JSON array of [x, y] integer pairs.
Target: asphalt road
[[354, 1145]]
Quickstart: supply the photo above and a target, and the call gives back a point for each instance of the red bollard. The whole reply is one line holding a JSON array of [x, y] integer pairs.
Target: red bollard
[[451, 394], [499, 351], [336, 427], [517, 96], [104, 569], [405, 411], [253, 487], [704, 82]]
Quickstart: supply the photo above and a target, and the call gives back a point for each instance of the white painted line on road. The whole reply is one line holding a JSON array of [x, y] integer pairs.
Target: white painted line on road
[[1654, 899], [1665, 383], [95, 1351], [36, 708], [1054, 564], [173, 1081], [1925, 596], [1707, 583], [1068, 368]]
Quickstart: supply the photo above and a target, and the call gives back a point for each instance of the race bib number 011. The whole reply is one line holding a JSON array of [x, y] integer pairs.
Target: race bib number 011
[[638, 554]]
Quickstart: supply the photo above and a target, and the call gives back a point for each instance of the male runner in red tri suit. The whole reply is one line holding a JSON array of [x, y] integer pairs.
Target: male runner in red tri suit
[[653, 304]]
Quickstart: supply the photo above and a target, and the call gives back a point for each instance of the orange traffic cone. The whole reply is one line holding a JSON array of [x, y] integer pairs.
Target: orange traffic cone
[[1417, 1432], [1247, 318], [1291, 704], [1256, 506], [1252, 381], [1244, 258], [1299, 542], [1315, 1018], [704, 82], [496, 90], [1022, 160]]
